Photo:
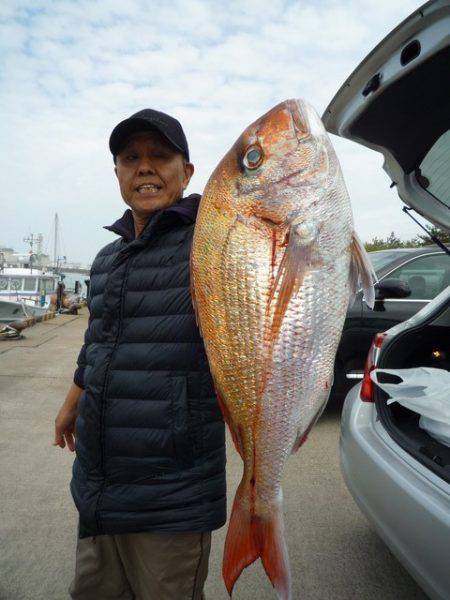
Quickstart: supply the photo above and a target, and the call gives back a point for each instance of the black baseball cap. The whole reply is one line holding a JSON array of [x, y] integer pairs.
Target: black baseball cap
[[149, 119]]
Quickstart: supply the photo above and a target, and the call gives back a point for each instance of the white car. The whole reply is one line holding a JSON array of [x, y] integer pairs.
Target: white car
[[397, 102]]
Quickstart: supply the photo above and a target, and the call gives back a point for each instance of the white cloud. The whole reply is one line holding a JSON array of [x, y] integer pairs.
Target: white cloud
[[71, 70]]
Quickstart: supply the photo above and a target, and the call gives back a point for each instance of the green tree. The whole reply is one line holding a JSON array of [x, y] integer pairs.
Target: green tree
[[425, 240], [392, 241], [375, 244]]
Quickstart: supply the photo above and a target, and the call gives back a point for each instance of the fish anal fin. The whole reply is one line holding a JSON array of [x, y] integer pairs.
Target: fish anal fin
[[300, 440], [302, 434], [234, 431], [361, 272]]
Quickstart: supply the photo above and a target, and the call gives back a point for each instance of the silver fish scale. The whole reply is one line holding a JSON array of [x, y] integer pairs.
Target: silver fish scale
[[303, 357], [302, 371]]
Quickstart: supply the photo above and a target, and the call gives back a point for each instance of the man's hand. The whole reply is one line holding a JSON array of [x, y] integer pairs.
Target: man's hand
[[65, 419]]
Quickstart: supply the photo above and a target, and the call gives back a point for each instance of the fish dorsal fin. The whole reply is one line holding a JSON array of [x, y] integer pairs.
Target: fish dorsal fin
[[361, 274]]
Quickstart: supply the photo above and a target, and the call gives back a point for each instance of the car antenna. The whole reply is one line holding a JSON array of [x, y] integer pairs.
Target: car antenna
[[435, 239]]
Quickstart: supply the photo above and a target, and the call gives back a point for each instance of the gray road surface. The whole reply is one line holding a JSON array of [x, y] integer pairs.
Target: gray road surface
[[334, 552]]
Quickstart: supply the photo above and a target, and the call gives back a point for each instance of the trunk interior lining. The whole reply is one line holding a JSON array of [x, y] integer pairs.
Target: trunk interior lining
[[415, 348]]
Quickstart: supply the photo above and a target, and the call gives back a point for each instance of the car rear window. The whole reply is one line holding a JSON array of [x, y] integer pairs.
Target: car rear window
[[382, 258], [434, 172]]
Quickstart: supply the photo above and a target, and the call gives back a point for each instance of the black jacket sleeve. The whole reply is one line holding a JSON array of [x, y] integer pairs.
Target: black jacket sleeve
[[78, 376]]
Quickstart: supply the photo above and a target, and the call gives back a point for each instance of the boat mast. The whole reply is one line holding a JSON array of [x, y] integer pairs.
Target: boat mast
[[55, 242]]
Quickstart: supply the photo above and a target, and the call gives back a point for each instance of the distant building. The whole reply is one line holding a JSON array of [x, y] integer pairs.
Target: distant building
[[6, 255], [10, 258], [71, 265], [28, 260]]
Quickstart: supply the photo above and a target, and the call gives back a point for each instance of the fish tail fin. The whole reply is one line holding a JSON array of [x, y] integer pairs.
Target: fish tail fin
[[250, 537], [274, 554], [240, 545]]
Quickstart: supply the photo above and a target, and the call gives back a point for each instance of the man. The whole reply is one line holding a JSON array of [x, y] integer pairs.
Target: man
[[149, 474]]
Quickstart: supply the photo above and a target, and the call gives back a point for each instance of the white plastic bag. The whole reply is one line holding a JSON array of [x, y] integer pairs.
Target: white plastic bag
[[438, 430], [424, 390]]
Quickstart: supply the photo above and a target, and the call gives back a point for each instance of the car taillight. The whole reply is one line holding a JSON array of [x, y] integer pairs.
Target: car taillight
[[368, 386]]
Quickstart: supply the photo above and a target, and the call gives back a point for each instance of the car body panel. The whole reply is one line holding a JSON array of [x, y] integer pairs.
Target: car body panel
[[408, 505], [385, 315]]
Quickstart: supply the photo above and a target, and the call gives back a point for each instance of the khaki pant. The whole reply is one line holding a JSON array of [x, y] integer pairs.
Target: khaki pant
[[141, 566]]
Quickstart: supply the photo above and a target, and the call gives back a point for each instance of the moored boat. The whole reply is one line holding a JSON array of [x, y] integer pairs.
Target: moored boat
[[25, 292]]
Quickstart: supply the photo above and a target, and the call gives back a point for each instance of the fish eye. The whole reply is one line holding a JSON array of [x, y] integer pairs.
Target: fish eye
[[253, 157]]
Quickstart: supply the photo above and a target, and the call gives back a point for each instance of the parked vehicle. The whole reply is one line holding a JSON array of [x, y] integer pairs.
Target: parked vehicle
[[409, 278], [397, 473], [396, 102]]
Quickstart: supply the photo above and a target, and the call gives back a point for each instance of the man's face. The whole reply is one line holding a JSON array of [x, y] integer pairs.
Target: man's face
[[151, 173]]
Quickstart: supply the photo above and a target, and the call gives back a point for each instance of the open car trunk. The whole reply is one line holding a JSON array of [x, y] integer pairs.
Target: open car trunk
[[396, 102], [427, 345]]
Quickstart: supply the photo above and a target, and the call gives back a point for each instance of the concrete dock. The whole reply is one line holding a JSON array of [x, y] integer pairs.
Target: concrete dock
[[334, 553]]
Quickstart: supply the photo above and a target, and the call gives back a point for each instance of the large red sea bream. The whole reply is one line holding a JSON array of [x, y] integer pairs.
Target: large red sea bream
[[275, 260]]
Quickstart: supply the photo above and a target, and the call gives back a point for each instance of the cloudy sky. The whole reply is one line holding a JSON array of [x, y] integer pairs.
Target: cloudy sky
[[71, 70]]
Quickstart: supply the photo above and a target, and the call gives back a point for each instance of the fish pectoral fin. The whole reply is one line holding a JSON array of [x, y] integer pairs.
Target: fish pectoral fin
[[361, 274], [299, 256]]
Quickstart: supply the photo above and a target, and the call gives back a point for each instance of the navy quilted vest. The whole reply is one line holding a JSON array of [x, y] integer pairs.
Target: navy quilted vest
[[150, 447]]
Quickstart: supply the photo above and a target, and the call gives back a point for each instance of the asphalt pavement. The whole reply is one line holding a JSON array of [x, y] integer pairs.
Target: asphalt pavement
[[334, 553]]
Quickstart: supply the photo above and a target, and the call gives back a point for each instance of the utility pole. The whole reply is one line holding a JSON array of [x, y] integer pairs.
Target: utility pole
[[31, 240], [40, 239]]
